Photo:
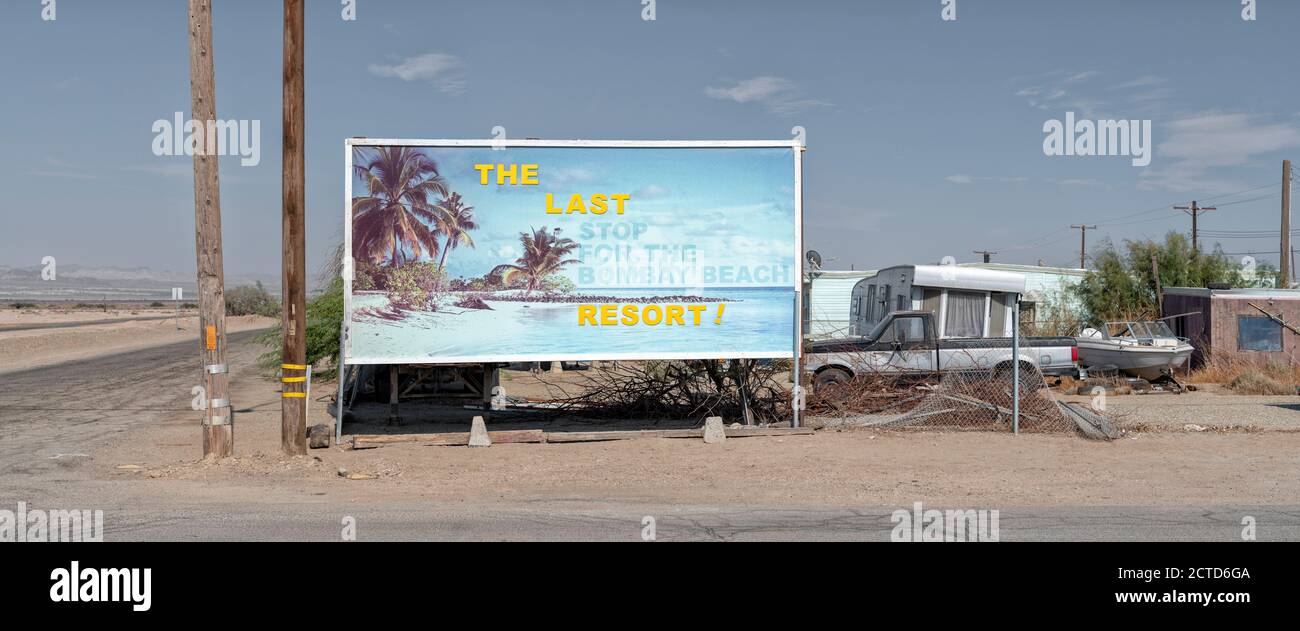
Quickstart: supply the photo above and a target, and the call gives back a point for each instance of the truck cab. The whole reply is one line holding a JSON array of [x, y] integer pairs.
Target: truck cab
[[904, 345]]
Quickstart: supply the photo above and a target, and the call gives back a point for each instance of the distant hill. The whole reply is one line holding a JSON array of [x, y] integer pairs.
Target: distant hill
[[78, 283]]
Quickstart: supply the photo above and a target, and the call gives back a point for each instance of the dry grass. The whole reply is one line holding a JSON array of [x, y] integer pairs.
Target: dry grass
[[1245, 377]]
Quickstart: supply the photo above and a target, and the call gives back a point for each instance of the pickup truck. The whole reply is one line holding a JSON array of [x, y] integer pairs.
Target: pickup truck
[[903, 344]]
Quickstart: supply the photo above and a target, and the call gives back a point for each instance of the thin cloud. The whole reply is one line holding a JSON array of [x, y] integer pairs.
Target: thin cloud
[[1200, 146], [972, 179], [1140, 82], [1056, 91], [443, 70], [777, 94]]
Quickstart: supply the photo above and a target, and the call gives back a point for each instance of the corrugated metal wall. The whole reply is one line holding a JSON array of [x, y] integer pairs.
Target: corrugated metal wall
[[830, 296]]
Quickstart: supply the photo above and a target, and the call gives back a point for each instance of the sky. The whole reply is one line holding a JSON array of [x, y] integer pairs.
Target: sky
[[691, 217], [925, 136]]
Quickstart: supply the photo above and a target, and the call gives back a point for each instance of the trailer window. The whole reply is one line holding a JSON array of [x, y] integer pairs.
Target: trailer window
[[965, 317], [1258, 333]]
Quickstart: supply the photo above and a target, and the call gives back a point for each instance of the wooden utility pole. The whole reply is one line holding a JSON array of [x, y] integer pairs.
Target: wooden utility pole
[[1284, 280], [218, 417], [1083, 244], [293, 400], [1195, 211], [988, 256]]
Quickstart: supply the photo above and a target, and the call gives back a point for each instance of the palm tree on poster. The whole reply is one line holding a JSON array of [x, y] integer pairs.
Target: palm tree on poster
[[544, 254], [399, 213], [455, 222]]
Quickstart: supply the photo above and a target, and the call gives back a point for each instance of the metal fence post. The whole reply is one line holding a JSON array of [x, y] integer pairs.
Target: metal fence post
[[1015, 366]]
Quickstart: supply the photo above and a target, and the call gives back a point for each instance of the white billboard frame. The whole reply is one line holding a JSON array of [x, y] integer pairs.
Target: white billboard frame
[[795, 145]]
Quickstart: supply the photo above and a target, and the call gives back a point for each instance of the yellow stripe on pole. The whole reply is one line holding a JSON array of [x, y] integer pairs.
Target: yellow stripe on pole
[[293, 379], [294, 395], [294, 366]]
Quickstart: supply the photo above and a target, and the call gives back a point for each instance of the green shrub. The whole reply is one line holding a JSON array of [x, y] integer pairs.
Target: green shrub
[[251, 301], [155, 304], [324, 322]]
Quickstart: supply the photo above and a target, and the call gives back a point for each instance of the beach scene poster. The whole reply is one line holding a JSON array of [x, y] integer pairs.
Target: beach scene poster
[[464, 254]]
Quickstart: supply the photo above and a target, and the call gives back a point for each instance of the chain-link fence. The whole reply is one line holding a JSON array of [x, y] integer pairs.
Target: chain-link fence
[[975, 390]]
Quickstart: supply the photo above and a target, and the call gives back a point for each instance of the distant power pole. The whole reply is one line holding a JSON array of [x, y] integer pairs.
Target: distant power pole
[[1285, 281], [1083, 243], [293, 386], [1195, 211], [218, 421], [988, 256]]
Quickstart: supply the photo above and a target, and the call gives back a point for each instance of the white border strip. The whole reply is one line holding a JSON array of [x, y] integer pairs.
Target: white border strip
[[533, 142], [568, 357]]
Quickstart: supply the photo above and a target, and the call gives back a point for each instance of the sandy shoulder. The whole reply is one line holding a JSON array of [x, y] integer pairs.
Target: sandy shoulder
[[35, 348]]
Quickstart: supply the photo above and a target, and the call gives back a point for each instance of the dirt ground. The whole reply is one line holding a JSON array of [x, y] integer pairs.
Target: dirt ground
[[31, 338], [830, 468], [121, 426]]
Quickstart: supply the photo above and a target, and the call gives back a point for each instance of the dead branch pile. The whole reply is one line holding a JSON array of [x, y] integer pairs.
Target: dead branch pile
[[869, 393], [657, 390]]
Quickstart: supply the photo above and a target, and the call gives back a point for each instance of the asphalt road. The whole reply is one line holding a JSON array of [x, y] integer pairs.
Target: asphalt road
[[67, 408], [584, 520], [68, 325], [50, 415]]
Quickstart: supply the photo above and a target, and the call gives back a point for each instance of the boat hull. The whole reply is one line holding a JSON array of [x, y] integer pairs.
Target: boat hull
[[1145, 362]]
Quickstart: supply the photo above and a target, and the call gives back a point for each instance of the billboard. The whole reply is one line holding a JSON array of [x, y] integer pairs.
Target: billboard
[[467, 251]]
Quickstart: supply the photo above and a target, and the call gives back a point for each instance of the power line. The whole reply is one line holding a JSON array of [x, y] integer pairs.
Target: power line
[[1253, 199]]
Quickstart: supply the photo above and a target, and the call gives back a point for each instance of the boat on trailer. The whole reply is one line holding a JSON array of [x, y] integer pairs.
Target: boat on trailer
[[1146, 350]]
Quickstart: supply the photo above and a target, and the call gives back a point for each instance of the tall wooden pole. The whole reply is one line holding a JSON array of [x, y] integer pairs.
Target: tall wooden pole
[[293, 401], [218, 421], [1284, 281], [1195, 211], [1083, 244]]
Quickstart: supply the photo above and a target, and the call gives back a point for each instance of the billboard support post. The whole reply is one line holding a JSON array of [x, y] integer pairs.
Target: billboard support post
[[796, 390]]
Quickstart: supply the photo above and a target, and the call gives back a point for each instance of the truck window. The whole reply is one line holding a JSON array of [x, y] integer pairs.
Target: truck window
[[909, 329]]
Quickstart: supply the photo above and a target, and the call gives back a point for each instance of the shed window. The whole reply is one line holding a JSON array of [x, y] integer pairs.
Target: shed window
[[1258, 333]]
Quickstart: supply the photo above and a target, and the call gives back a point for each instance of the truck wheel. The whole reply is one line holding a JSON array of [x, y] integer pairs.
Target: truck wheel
[[830, 376]]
